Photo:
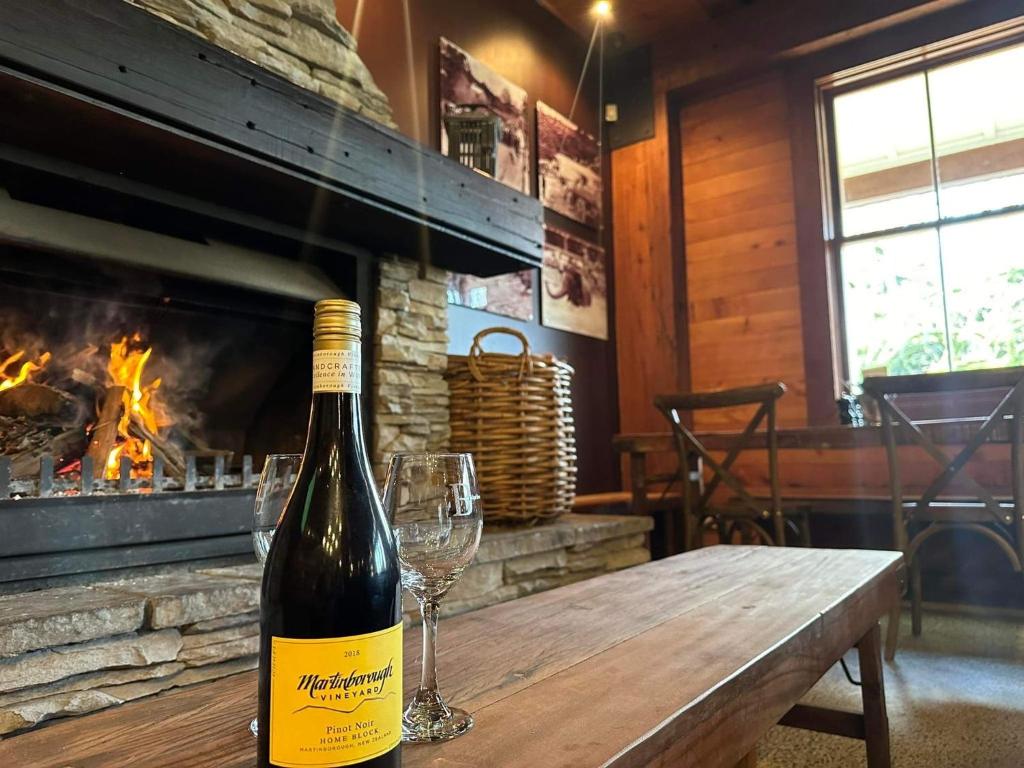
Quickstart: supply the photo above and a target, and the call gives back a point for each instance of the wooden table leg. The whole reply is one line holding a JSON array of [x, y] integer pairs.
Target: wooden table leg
[[892, 633], [876, 721], [915, 597], [671, 535]]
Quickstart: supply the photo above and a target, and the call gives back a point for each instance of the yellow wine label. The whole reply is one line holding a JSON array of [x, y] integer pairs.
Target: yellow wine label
[[335, 701], [337, 370]]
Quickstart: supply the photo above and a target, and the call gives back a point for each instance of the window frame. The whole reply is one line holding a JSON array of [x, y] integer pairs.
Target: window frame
[[830, 87]]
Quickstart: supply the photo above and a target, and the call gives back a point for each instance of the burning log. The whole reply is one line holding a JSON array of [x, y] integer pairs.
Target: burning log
[[173, 456], [38, 400], [85, 378], [131, 424], [36, 421], [104, 434], [26, 441], [194, 442]]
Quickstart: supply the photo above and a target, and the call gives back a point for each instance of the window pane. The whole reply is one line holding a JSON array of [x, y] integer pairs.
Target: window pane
[[984, 268], [884, 156], [978, 120], [892, 303]]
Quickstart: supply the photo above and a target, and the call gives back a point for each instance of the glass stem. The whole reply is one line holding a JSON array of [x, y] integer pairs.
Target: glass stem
[[428, 677]]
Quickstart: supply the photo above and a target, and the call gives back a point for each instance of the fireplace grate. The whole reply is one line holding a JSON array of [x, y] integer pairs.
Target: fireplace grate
[[81, 483]]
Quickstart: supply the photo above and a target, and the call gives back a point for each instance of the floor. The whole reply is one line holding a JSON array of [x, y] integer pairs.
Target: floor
[[955, 698]]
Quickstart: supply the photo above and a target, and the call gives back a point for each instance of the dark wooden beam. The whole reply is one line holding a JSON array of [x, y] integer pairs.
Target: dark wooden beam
[[159, 98], [744, 42]]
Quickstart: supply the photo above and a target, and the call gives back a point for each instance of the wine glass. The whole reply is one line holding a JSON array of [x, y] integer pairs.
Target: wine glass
[[276, 482], [435, 510]]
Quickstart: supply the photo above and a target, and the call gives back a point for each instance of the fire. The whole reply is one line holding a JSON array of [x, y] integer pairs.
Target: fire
[[141, 404], [25, 371]]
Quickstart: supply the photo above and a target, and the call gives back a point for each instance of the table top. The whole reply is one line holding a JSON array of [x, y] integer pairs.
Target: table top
[[837, 436], [686, 661]]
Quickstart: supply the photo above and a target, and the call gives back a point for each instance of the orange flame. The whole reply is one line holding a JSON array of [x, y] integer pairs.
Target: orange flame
[[25, 371], [126, 366]]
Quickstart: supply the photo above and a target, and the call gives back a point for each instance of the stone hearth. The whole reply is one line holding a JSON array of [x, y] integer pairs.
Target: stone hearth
[[74, 650]]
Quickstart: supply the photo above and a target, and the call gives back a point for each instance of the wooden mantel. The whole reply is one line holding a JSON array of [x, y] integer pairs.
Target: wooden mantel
[[110, 98]]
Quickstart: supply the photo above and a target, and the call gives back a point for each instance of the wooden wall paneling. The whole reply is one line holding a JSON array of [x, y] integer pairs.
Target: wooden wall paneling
[[645, 320], [744, 318], [677, 244]]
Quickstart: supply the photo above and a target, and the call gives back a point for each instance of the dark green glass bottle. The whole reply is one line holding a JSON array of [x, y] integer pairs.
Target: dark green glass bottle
[[330, 687]]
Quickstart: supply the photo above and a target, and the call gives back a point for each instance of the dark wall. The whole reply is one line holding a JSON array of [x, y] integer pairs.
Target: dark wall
[[523, 42]]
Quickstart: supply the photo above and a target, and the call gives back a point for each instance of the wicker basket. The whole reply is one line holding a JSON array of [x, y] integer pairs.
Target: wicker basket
[[514, 414]]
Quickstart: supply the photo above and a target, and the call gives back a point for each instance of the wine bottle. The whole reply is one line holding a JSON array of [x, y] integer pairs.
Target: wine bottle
[[330, 685]]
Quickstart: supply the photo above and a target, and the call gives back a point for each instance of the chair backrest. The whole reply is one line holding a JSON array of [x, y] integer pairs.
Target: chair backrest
[[1005, 423], [676, 407]]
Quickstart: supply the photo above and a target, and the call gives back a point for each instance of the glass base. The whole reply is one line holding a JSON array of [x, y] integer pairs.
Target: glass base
[[424, 726], [254, 727]]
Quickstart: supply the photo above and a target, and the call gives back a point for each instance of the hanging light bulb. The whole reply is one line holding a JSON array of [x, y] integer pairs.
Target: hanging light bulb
[[602, 9]]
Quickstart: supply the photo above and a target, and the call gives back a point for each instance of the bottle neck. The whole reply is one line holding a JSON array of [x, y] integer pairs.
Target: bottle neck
[[336, 420], [336, 424]]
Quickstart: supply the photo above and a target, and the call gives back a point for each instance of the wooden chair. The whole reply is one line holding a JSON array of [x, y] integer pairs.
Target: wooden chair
[[655, 487], [936, 510], [743, 511]]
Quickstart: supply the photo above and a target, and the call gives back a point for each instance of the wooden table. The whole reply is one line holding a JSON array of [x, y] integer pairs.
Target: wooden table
[[941, 431], [686, 661], [810, 468]]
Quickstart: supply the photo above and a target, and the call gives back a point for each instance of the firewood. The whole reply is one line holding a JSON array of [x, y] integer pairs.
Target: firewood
[[173, 456], [36, 400], [104, 434], [62, 447], [84, 377], [26, 441], [23, 440], [192, 440]]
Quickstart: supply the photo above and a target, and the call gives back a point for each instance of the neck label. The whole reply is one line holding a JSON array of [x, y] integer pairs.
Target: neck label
[[337, 370]]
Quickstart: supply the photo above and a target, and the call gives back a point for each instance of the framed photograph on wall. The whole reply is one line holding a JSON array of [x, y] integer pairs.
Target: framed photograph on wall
[[568, 167], [574, 285], [467, 82], [509, 295]]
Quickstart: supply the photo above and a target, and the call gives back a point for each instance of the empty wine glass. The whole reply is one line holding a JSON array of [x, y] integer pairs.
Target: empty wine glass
[[276, 482], [434, 506]]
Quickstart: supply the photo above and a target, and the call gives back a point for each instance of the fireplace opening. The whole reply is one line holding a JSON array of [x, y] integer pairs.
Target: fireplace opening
[[136, 405], [107, 375]]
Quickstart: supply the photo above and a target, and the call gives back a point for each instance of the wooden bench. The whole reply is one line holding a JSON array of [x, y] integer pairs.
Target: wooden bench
[[687, 661], [591, 501]]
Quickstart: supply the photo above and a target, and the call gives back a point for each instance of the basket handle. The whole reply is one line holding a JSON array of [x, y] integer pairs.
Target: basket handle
[[476, 352]]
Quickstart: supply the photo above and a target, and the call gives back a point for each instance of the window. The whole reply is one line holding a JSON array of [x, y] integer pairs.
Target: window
[[928, 208]]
